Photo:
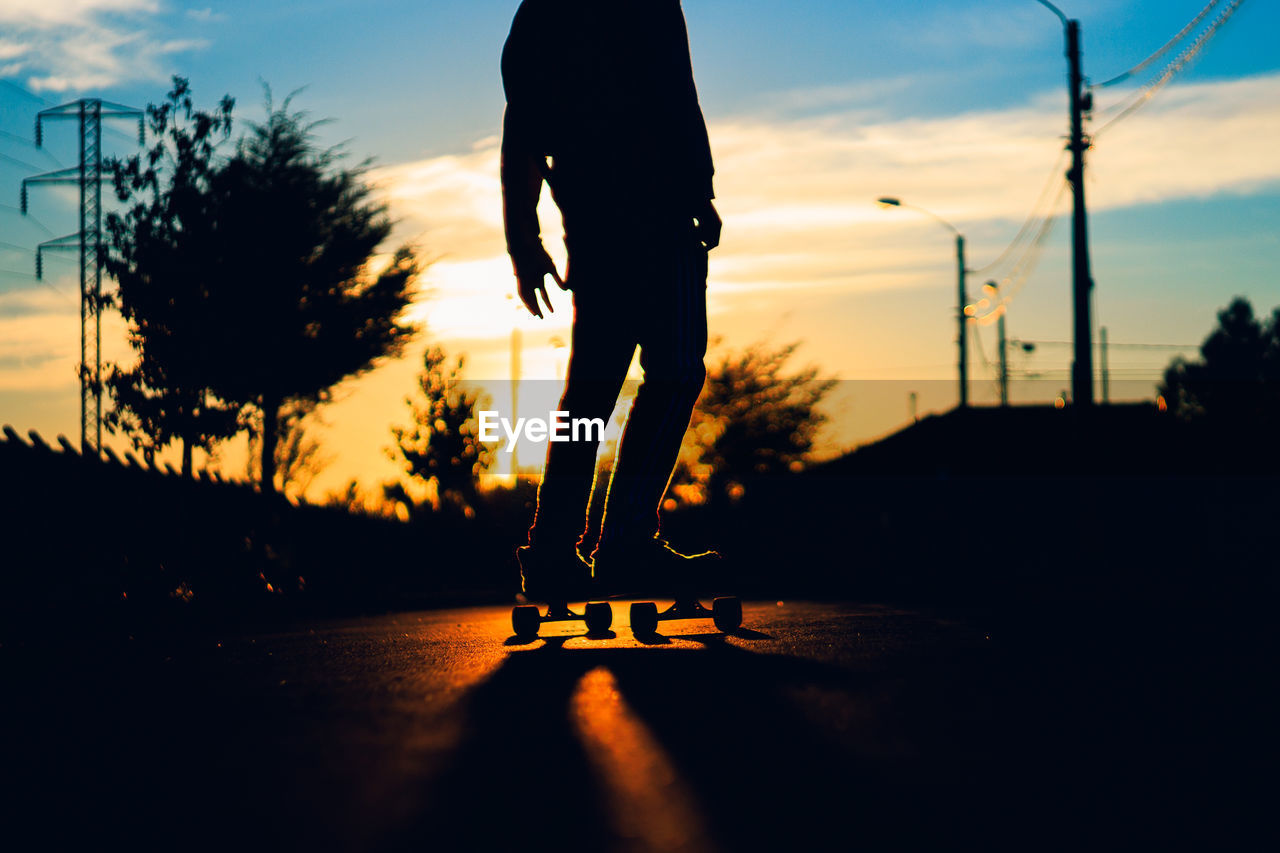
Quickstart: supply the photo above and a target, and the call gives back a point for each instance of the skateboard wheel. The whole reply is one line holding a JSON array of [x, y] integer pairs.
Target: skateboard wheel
[[599, 617], [726, 612], [644, 618], [525, 620]]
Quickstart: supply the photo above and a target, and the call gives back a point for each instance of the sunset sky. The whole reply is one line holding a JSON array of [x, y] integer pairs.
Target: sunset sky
[[815, 108]]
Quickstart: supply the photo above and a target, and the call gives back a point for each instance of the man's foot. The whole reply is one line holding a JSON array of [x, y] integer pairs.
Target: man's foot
[[558, 575], [653, 567]]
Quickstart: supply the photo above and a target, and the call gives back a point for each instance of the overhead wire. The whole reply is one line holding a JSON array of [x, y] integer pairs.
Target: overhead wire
[[29, 217], [1180, 62], [1042, 224], [1034, 218], [33, 146], [25, 91], [1150, 60], [30, 144], [21, 163], [46, 282], [1013, 283], [1110, 345], [982, 353]]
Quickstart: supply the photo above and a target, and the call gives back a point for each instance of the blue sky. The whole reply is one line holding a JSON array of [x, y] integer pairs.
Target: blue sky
[[815, 107], [412, 78]]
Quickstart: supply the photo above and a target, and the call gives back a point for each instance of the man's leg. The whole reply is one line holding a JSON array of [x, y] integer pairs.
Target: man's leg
[[673, 344], [601, 350]]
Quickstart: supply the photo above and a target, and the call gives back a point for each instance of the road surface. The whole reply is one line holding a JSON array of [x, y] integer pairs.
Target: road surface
[[866, 726]]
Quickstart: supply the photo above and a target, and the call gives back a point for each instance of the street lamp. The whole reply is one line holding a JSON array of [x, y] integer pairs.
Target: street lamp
[[961, 299], [992, 289], [1054, 9]]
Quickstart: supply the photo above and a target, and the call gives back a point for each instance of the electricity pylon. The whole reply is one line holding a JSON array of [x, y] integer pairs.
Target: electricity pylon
[[88, 176]]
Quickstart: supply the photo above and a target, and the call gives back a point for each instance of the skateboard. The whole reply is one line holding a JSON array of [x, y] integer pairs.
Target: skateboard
[[526, 619], [725, 611]]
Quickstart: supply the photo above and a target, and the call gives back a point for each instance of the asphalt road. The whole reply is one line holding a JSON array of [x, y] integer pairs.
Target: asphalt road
[[867, 726]]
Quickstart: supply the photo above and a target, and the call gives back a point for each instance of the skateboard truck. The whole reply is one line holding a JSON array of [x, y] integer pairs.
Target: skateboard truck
[[526, 619], [725, 611]]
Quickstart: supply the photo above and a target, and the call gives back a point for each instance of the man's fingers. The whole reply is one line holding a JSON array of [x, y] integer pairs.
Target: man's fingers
[[531, 304], [537, 267], [709, 225], [529, 296]]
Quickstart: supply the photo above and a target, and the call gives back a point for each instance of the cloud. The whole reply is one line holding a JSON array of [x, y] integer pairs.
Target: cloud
[[39, 336], [205, 16], [868, 287], [37, 303], [10, 361], [49, 14], [797, 194], [986, 26], [76, 45]]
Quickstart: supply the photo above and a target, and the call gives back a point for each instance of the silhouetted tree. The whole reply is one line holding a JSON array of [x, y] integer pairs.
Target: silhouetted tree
[[1237, 378], [442, 446], [298, 455], [752, 421], [358, 501], [160, 250], [305, 308]]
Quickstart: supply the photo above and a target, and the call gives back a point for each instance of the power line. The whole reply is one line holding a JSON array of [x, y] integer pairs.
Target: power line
[[1013, 283], [24, 91], [1175, 67], [111, 131], [23, 164], [982, 353], [1034, 218], [34, 221], [1017, 342], [30, 144], [1146, 63], [17, 138], [58, 290]]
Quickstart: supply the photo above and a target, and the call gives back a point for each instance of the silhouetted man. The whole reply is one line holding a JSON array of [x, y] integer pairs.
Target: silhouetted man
[[601, 105]]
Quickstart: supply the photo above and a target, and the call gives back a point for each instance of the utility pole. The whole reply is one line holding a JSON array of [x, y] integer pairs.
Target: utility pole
[[88, 176], [961, 303], [1004, 361], [517, 344], [992, 288], [962, 299], [1106, 373], [1082, 278]]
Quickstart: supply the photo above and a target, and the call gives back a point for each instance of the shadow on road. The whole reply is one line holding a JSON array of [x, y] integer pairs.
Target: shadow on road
[[766, 751], [857, 726]]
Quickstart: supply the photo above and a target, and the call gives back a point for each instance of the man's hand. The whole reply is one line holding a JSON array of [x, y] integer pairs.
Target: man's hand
[[532, 270], [708, 225]]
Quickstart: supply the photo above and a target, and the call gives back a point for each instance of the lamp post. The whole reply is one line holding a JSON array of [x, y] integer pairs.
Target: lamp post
[[993, 289], [961, 298], [1080, 102]]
